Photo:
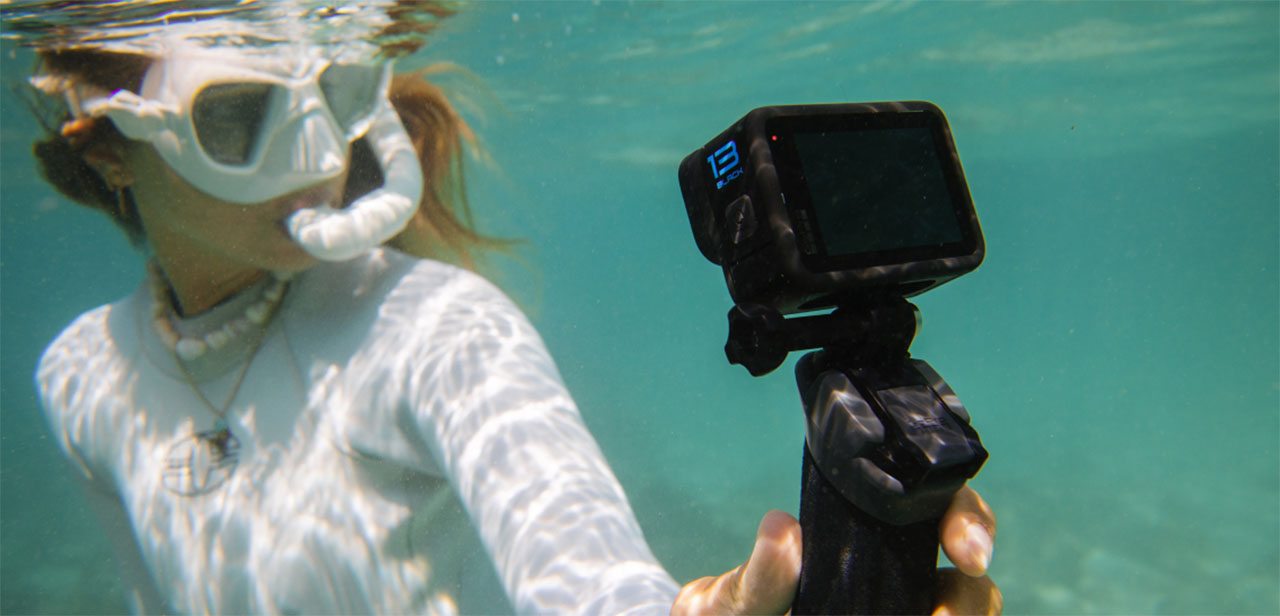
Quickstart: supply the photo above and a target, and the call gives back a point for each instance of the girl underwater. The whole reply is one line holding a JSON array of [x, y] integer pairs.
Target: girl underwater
[[302, 410]]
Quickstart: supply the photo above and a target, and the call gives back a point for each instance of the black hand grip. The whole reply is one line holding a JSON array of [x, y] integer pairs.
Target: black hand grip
[[854, 563]]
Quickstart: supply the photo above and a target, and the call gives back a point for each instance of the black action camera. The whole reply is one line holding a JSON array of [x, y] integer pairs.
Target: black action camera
[[854, 207], [807, 206]]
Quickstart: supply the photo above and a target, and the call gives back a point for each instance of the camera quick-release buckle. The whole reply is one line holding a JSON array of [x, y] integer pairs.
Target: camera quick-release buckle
[[885, 429], [895, 443]]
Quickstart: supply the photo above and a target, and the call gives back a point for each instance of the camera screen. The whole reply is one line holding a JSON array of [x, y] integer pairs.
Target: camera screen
[[877, 190]]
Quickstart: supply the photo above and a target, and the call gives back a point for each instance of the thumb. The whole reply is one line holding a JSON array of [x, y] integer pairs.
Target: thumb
[[765, 584], [771, 574]]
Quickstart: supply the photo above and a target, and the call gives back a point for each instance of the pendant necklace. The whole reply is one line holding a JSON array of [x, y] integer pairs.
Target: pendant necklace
[[199, 463]]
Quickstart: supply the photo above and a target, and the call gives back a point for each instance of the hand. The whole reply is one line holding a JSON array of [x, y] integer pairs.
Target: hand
[[766, 583]]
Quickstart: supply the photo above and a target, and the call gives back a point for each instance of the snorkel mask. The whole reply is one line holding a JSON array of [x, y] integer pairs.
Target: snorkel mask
[[248, 128]]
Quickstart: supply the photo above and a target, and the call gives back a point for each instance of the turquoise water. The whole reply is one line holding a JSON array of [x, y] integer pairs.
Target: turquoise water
[[1119, 349]]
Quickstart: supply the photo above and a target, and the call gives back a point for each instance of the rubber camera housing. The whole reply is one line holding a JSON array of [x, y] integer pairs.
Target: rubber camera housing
[[813, 206]]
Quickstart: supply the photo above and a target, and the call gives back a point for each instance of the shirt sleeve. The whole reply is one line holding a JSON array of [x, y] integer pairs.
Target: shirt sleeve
[[75, 381], [72, 379], [486, 393]]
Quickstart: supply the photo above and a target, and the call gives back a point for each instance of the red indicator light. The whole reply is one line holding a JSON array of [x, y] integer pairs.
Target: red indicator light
[[774, 138]]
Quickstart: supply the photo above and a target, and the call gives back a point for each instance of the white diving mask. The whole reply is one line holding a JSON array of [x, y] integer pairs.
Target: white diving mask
[[251, 128]]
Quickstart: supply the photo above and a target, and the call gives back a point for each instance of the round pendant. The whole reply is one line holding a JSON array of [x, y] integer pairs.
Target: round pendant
[[199, 463]]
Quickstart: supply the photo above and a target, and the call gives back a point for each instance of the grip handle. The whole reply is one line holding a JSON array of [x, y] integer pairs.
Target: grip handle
[[853, 563]]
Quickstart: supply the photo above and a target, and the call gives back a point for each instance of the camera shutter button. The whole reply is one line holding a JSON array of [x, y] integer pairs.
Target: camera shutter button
[[740, 220]]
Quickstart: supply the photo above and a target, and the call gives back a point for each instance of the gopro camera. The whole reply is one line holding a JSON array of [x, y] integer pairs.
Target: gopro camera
[[856, 207], [814, 206]]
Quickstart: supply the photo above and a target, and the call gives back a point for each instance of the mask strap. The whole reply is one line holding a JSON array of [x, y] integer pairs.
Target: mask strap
[[136, 117], [330, 234]]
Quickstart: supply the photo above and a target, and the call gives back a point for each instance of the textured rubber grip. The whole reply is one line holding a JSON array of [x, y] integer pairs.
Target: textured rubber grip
[[856, 564]]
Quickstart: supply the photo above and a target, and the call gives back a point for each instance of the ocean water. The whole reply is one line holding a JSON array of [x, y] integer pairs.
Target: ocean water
[[1119, 349]]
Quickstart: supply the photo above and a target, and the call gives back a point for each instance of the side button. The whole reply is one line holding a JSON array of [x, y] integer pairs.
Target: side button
[[740, 220]]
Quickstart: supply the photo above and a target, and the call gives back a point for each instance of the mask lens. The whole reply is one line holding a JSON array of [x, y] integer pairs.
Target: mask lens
[[228, 119], [351, 91]]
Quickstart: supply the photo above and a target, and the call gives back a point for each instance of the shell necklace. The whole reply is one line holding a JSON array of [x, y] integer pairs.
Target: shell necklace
[[254, 318], [199, 463]]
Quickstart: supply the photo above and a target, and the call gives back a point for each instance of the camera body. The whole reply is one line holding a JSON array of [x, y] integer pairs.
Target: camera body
[[815, 206]]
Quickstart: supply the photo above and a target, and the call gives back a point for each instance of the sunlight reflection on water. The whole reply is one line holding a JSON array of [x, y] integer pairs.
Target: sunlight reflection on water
[[131, 25]]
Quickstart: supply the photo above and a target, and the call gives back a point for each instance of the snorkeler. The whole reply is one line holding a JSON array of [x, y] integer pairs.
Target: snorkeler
[[298, 412]]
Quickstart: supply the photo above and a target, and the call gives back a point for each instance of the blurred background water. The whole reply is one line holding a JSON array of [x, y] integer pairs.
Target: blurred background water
[[1119, 349]]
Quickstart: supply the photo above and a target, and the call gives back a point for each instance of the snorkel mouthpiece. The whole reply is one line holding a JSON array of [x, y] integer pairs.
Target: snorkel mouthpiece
[[332, 234]]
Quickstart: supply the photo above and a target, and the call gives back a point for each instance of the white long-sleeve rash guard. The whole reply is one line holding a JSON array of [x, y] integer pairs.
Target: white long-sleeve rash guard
[[403, 436]]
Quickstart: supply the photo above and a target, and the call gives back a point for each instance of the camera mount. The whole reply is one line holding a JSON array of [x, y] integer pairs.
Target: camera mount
[[887, 445]]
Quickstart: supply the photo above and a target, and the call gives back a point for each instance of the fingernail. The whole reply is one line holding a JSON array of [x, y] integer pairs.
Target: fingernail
[[980, 544]]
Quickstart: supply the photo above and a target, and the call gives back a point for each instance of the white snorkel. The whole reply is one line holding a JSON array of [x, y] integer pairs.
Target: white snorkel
[[248, 128], [334, 235]]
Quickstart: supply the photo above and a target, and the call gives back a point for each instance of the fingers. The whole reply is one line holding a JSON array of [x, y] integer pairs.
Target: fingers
[[765, 584], [703, 595], [968, 532], [769, 578], [959, 594]]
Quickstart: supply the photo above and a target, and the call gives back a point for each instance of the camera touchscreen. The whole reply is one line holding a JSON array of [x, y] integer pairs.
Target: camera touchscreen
[[877, 188]]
